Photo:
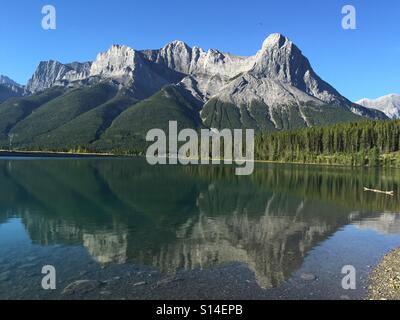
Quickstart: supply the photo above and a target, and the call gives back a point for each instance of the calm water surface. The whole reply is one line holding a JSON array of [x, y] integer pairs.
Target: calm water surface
[[138, 232]]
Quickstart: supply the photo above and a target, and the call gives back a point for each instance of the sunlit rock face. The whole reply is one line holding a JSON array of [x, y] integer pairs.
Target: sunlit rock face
[[178, 56], [118, 61], [52, 73]]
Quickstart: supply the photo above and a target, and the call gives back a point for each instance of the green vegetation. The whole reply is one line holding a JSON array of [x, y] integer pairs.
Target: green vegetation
[[128, 131], [60, 111], [6, 93], [15, 110], [367, 143], [330, 114], [219, 114], [88, 127], [104, 118]]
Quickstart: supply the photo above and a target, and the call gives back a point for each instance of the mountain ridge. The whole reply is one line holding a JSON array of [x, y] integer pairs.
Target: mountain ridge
[[275, 89], [388, 104], [201, 72], [9, 88]]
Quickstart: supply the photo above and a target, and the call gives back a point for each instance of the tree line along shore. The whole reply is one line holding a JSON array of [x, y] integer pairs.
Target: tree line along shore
[[366, 143]]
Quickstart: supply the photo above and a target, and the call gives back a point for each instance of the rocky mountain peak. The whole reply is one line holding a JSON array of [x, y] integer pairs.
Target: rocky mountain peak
[[51, 72], [46, 74], [176, 55], [119, 61], [7, 81], [389, 104], [9, 88], [275, 40], [280, 59], [178, 44]]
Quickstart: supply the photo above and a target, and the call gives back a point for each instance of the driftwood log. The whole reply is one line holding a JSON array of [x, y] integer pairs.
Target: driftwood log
[[390, 193]]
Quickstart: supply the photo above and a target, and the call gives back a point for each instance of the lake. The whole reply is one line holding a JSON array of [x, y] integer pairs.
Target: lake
[[127, 230]]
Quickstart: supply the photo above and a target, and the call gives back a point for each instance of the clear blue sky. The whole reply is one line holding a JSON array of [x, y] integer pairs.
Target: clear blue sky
[[359, 63]]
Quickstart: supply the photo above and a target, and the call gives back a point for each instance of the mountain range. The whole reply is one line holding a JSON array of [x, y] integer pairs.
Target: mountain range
[[109, 104], [9, 88], [389, 104]]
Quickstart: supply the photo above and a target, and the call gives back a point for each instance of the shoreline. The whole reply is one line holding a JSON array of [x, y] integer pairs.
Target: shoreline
[[52, 154], [60, 154], [384, 280]]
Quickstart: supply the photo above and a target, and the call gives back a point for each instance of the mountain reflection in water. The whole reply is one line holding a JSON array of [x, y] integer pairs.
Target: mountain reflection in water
[[174, 218]]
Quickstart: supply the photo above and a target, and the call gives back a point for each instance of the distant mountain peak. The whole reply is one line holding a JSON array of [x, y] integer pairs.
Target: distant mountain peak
[[177, 43], [6, 80], [388, 104], [9, 88]]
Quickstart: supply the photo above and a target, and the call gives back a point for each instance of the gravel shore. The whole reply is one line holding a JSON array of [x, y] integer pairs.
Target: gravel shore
[[385, 279]]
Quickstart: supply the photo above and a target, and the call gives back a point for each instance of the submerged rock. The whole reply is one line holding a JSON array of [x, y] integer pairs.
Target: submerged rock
[[142, 283], [81, 287], [308, 276]]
